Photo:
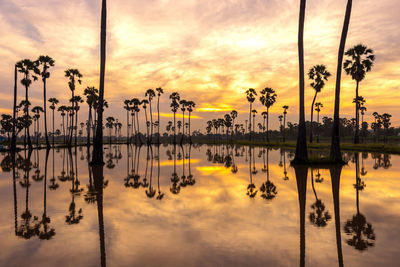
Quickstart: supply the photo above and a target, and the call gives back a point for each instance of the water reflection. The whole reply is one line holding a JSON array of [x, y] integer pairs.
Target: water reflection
[[55, 195]]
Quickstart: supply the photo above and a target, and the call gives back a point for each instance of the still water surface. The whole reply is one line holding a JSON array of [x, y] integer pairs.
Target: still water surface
[[197, 206]]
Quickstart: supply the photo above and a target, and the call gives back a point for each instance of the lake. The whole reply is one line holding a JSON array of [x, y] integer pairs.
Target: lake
[[197, 206]]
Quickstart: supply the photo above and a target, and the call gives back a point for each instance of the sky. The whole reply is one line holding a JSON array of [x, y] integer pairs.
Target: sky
[[208, 51]]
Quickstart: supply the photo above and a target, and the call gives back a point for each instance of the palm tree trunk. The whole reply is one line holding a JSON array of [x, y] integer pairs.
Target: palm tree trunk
[[190, 134], [45, 114], [267, 125], [250, 121], [284, 126], [174, 129], [357, 130], [335, 153], [317, 126], [183, 126], [89, 126], [158, 118], [301, 147], [151, 123], [27, 113], [127, 125], [98, 142], [14, 136], [312, 117]]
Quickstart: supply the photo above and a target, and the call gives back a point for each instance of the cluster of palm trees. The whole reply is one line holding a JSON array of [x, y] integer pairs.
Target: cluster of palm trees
[[134, 105]]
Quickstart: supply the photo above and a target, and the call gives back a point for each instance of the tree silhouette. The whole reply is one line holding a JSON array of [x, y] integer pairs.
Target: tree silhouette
[[30, 71], [285, 108], [335, 153], [54, 102], [301, 146], [251, 96], [267, 99], [150, 94], [268, 188], [174, 108], [73, 76], [360, 62], [46, 62], [318, 217], [91, 94], [318, 75], [318, 107]]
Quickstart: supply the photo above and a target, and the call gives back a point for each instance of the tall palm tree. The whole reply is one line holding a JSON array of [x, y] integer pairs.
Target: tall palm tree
[[190, 106], [76, 100], [30, 71], [335, 153], [183, 104], [360, 62], [301, 147], [318, 107], [175, 97], [98, 143], [14, 136], [251, 96], [234, 115], [54, 101], [318, 75], [73, 76], [285, 108], [36, 110], [109, 125], [62, 109], [127, 106], [363, 109], [267, 99], [91, 94], [160, 91], [150, 94], [144, 103], [46, 62]]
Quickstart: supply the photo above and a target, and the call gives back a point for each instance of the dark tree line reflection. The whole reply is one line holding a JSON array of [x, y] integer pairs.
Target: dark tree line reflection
[[143, 163]]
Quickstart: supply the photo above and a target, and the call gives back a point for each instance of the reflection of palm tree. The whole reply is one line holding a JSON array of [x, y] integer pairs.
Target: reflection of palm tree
[[362, 233], [285, 177], [268, 188], [73, 217], [301, 179], [44, 231], [150, 193], [318, 217], [160, 194], [251, 188], [175, 187], [335, 177]]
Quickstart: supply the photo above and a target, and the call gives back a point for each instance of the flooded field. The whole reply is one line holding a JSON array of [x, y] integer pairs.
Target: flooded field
[[197, 206]]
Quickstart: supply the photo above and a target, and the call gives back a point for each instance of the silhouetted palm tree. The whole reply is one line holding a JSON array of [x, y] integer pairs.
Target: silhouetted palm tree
[[301, 147], [318, 107], [190, 106], [73, 76], [251, 96], [183, 104], [267, 99], [268, 188], [98, 142], [318, 75], [360, 62], [150, 94], [14, 132], [285, 108], [46, 62], [91, 94], [30, 71], [160, 91], [335, 153], [318, 217], [54, 102], [174, 108], [36, 110]]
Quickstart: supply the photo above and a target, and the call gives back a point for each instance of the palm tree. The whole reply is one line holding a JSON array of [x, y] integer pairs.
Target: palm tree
[[109, 125], [91, 94], [251, 96], [175, 97], [254, 118], [285, 108], [183, 104], [76, 99], [144, 102], [335, 153], [30, 70], [36, 110], [160, 91], [318, 75], [234, 115], [318, 107], [318, 217], [363, 109], [46, 63], [54, 102], [268, 188], [301, 147], [73, 75], [190, 106], [14, 136], [360, 62], [127, 106], [150, 94], [267, 99], [98, 142], [264, 115], [62, 109]]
